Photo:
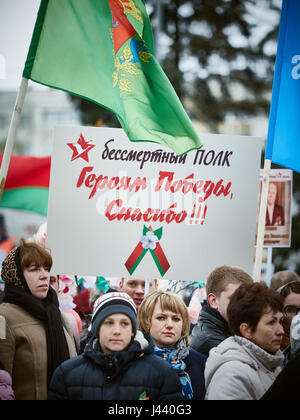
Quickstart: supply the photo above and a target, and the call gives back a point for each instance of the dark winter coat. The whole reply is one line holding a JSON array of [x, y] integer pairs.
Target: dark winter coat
[[195, 366], [210, 331], [130, 375]]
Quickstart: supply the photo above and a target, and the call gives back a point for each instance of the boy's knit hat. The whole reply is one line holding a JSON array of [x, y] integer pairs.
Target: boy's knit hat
[[295, 334], [113, 303]]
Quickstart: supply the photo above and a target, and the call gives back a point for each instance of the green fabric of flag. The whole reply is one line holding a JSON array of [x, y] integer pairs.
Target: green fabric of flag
[[102, 50]]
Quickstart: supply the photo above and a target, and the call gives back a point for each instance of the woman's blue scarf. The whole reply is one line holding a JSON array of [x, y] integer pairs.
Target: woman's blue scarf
[[175, 357]]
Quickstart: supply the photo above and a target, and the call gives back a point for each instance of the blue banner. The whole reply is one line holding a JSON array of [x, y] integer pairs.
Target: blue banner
[[283, 143]]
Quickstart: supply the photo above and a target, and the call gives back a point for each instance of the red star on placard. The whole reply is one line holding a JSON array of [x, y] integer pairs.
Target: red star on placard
[[81, 149]]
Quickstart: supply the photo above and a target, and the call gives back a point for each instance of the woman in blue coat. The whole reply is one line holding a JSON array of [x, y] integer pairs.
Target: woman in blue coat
[[118, 363], [164, 316]]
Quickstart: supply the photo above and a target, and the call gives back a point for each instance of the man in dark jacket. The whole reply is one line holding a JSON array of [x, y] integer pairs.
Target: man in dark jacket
[[212, 326], [210, 331], [275, 212], [118, 363]]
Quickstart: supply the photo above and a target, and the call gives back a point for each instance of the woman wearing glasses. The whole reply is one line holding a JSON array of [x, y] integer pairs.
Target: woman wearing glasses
[[291, 308]]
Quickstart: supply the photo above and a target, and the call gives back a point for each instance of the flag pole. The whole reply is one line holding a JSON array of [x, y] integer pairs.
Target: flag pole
[[269, 267], [262, 221], [147, 286], [11, 136]]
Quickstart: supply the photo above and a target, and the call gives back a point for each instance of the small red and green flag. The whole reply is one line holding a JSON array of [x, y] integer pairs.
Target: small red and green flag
[[149, 242], [27, 184], [103, 51]]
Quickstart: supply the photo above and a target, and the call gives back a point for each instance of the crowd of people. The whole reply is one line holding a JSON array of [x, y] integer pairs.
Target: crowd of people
[[137, 346]]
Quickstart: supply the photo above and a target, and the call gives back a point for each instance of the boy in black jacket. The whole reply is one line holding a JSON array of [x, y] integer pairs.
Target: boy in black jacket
[[118, 363]]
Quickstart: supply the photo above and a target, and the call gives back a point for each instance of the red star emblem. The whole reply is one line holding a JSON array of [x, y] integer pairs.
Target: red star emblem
[[81, 149]]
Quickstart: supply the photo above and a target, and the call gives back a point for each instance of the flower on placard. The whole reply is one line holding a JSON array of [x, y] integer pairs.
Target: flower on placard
[[149, 241]]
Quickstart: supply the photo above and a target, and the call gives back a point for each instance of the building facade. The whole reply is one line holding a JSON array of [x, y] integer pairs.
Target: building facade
[[43, 109]]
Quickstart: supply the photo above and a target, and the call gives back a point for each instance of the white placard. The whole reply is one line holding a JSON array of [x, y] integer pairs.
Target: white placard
[[107, 192]]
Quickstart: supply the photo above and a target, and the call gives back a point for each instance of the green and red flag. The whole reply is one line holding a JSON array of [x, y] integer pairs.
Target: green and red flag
[[27, 184], [103, 51]]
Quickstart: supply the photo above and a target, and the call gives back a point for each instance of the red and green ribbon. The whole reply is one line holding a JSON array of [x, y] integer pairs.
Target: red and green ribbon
[[158, 254]]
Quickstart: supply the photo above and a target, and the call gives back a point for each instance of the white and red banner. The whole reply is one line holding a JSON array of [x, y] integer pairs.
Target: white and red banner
[[124, 209]]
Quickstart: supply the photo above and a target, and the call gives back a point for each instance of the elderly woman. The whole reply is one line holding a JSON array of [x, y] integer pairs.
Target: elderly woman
[[244, 366], [37, 339], [164, 316]]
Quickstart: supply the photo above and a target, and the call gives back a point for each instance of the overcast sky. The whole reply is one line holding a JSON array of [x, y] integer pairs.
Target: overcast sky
[[17, 19]]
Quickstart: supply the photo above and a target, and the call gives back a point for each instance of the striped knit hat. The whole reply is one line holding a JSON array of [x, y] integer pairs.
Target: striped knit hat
[[113, 303]]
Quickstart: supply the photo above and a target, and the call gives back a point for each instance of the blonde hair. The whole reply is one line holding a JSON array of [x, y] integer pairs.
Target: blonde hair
[[168, 301]]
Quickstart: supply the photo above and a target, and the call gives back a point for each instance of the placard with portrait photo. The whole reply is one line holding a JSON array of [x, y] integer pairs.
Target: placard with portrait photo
[[278, 214]]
